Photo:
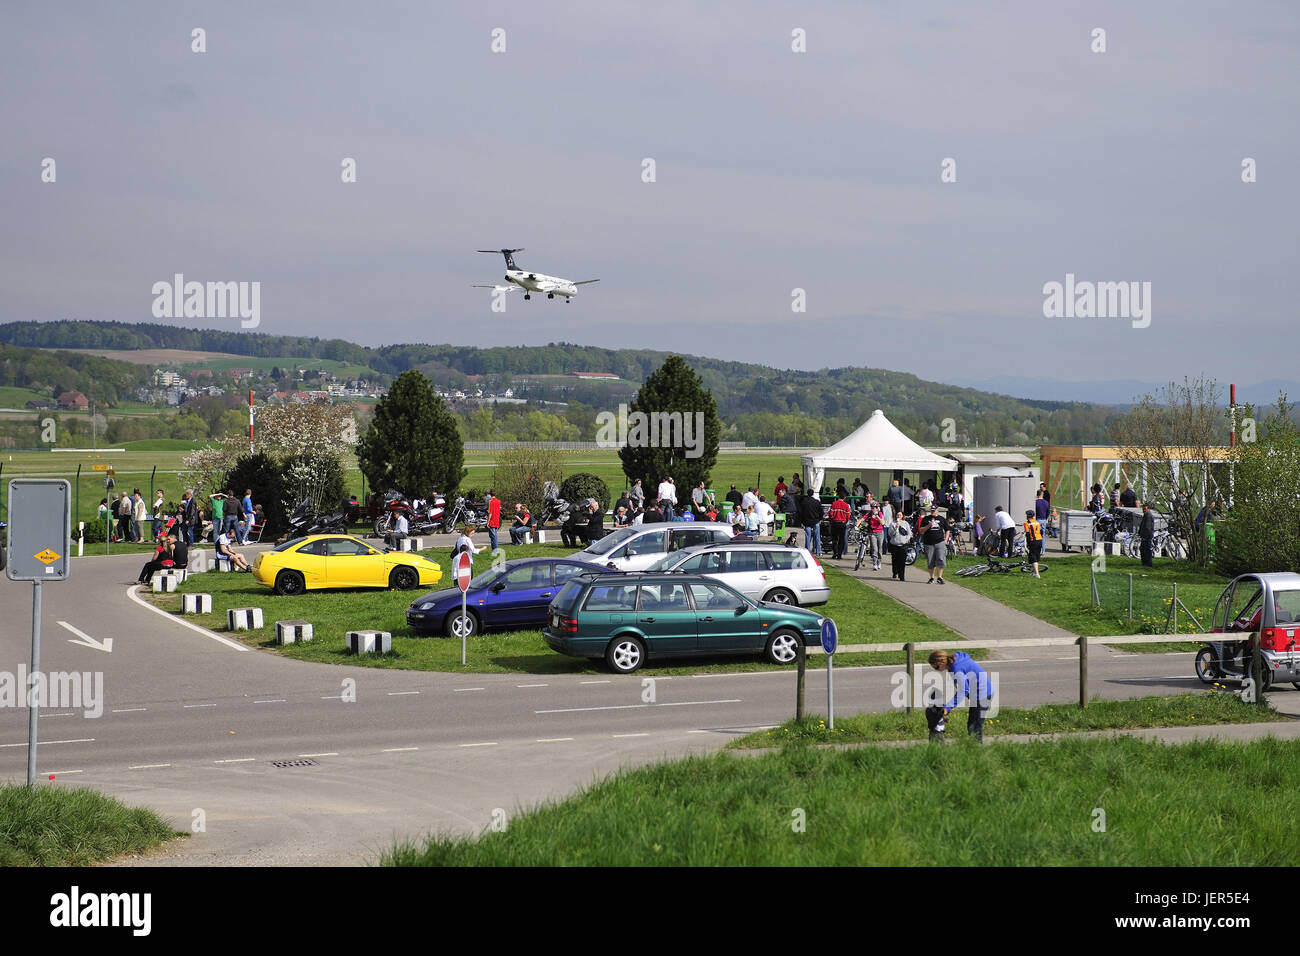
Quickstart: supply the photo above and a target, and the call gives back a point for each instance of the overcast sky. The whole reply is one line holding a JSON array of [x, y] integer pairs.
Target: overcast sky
[[774, 170]]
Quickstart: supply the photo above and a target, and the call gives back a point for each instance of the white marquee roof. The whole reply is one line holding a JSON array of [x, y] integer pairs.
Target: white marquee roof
[[876, 445]]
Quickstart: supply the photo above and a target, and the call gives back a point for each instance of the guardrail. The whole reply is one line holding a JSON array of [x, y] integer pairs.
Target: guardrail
[[911, 647]]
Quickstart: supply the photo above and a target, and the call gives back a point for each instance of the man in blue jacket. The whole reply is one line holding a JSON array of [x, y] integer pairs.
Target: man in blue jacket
[[973, 684]]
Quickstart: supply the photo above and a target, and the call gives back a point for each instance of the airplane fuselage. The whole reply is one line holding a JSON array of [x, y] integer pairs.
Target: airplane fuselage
[[538, 282]]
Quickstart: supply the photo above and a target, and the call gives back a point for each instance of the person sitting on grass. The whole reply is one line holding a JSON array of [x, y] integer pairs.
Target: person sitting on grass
[[973, 685]]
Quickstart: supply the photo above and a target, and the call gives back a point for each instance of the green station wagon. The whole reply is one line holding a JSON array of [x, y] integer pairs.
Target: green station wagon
[[627, 618]]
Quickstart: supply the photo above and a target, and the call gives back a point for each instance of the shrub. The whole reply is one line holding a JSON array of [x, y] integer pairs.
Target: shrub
[[520, 474], [585, 485]]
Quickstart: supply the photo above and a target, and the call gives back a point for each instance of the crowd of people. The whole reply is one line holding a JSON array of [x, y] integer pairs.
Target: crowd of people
[[127, 514]]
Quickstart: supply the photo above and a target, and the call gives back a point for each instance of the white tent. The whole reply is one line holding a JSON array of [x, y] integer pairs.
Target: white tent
[[877, 446]]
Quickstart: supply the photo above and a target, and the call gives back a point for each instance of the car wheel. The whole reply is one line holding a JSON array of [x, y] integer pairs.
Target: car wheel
[[1268, 678], [458, 626], [782, 647], [625, 654], [1205, 668], [289, 582], [780, 596], [404, 579]]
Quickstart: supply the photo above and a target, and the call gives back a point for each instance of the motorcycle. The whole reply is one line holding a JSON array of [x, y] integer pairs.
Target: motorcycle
[[554, 508], [334, 523], [463, 512], [424, 520], [301, 519]]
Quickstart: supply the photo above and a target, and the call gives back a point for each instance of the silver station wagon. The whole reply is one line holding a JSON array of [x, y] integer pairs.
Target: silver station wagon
[[764, 572]]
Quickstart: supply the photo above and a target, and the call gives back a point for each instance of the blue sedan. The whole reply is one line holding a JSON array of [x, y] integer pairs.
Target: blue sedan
[[513, 594]]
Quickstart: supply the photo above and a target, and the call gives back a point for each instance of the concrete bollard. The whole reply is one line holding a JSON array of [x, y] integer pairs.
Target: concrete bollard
[[244, 618], [292, 632], [163, 581], [196, 603], [541, 537], [412, 544], [369, 642]]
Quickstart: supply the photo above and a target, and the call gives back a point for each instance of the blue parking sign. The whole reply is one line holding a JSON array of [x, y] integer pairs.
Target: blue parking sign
[[830, 636]]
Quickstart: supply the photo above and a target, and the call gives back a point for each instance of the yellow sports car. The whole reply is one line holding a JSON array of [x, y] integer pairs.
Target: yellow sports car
[[340, 561]]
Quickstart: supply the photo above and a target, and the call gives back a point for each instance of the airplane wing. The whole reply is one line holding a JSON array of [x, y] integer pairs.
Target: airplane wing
[[497, 288], [586, 282]]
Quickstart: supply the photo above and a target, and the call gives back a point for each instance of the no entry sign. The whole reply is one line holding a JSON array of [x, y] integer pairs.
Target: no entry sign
[[463, 564]]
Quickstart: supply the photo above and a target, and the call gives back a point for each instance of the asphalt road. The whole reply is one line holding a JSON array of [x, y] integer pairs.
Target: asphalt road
[[280, 767]]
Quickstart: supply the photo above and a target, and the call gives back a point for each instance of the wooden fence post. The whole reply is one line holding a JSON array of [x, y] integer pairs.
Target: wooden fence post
[[1083, 672], [911, 670], [798, 700]]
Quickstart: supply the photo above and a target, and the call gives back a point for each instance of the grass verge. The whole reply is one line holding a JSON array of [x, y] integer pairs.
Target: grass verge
[[1179, 710], [863, 616], [1063, 596], [1031, 804], [51, 826]]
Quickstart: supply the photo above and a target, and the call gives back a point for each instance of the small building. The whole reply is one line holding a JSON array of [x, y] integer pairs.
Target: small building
[[75, 401]]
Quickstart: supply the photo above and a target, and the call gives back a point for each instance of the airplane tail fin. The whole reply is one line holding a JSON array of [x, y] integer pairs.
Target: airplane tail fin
[[508, 253]]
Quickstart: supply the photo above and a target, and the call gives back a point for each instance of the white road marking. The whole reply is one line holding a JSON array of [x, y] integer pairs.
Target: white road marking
[[459, 690], [40, 743], [130, 710], [680, 703], [277, 700], [69, 714], [86, 639], [401, 693], [630, 735], [148, 766], [532, 685], [596, 682], [332, 753], [237, 760], [394, 750], [491, 743], [552, 740], [333, 697], [1023, 660], [131, 593], [55, 773], [189, 706]]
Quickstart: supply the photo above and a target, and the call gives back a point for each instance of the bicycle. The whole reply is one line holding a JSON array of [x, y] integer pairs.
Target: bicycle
[[1000, 567]]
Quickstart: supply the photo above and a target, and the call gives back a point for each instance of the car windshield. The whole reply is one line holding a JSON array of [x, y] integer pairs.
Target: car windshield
[[611, 541], [487, 578], [289, 545], [665, 563]]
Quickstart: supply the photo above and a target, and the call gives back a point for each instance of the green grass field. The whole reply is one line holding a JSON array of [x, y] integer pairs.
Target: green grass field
[[11, 397], [1003, 804], [1179, 710], [51, 826], [862, 614], [1063, 595]]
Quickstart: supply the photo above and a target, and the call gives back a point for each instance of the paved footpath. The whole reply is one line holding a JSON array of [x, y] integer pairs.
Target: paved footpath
[[972, 615]]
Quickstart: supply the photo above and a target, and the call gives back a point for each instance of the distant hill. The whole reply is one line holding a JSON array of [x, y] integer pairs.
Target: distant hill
[[759, 404]]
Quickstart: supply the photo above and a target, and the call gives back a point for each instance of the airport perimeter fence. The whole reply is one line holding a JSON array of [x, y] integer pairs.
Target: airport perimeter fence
[[1155, 607]]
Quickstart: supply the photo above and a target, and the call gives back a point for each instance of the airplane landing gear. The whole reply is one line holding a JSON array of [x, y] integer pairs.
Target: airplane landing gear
[[550, 295], [527, 296]]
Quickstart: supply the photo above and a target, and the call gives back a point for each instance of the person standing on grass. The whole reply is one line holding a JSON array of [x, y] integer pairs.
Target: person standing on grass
[[839, 515], [218, 514], [466, 543], [1146, 531], [494, 517], [934, 536], [1033, 540], [159, 512], [900, 536], [875, 536], [1006, 528], [973, 686], [810, 516]]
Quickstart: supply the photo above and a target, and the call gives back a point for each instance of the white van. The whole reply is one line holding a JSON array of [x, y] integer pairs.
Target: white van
[[636, 548]]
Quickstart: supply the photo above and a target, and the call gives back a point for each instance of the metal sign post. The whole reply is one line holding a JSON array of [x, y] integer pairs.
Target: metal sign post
[[463, 564], [830, 640], [39, 535]]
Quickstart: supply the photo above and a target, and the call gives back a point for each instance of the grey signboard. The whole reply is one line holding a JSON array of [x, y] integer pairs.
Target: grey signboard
[[40, 528]]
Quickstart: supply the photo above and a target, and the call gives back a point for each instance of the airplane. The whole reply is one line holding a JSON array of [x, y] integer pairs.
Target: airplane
[[532, 282]]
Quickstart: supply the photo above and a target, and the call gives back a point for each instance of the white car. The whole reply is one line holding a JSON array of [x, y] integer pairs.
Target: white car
[[636, 548], [764, 572]]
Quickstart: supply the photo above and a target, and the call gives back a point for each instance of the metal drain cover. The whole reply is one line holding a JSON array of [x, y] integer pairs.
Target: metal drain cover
[[294, 763]]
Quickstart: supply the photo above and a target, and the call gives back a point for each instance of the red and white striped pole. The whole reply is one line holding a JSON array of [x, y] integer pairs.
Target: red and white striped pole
[[250, 421], [1232, 404]]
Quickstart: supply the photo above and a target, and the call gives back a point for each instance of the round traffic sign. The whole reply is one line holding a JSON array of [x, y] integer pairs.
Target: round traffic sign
[[830, 636], [463, 564]]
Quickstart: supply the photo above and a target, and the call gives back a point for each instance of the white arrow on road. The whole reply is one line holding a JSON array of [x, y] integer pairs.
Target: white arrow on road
[[87, 640]]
